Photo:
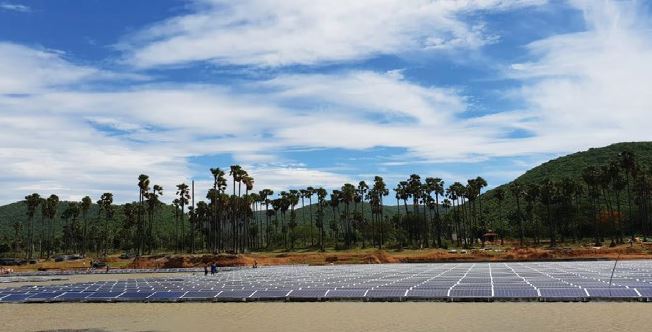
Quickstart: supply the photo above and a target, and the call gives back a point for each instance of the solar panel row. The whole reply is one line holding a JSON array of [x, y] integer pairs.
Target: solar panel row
[[446, 281]]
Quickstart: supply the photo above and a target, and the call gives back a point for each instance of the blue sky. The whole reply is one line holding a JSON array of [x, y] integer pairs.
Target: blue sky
[[93, 93]]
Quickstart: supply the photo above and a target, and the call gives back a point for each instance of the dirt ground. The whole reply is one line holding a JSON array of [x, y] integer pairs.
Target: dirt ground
[[373, 256], [290, 317], [360, 256]]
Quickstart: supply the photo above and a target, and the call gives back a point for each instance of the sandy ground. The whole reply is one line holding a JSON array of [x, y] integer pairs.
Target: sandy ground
[[290, 317], [93, 277]]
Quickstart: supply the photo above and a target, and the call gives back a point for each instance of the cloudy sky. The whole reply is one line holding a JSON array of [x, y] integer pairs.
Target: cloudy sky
[[310, 92]]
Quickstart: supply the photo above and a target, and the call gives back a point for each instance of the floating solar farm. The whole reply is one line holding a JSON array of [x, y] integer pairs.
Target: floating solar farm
[[531, 281]]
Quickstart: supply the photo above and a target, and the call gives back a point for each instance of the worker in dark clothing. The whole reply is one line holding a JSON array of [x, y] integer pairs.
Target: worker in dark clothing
[[206, 270]]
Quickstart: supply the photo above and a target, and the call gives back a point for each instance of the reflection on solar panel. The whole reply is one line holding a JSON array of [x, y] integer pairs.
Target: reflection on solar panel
[[544, 281], [234, 295], [200, 295]]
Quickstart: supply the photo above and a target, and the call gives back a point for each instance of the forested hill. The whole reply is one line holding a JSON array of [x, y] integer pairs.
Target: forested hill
[[572, 165], [12, 213], [567, 167]]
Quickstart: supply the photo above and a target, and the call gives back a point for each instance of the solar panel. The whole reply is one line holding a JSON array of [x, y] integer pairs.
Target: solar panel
[[134, 296], [103, 296], [427, 293], [166, 296], [307, 294], [270, 294], [232, 295], [72, 296], [470, 292], [386, 293], [43, 296], [613, 292], [515, 293], [562, 293], [200, 295], [557, 281], [346, 293]]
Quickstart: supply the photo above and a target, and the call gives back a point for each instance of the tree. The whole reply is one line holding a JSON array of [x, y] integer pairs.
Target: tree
[[143, 188], [361, 193], [591, 177], [630, 168], [547, 195], [347, 196], [379, 191], [321, 203], [85, 206], [436, 186], [53, 206], [32, 201], [106, 208], [183, 194], [152, 202], [265, 195]]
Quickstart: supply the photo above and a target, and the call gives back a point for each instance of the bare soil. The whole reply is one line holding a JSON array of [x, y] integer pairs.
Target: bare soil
[[361, 256], [289, 317]]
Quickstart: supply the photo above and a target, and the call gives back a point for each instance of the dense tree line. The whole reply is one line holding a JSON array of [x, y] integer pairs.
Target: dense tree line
[[611, 201]]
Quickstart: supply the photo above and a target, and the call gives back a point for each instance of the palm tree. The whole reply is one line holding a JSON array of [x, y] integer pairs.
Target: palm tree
[[105, 204], [183, 194], [480, 183], [361, 192], [531, 195], [292, 201], [246, 210], [265, 195], [347, 197], [379, 191], [547, 195], [130, 220], [69, 229], [18, 227], [517, 190], [436, 186], [176, 203], [628, 164], [85, 206], [43, 237], [53, 206], [334, 203], [32, 201], [591, 177], [143, 188], [499, 195], [321, 203], [153, 202], [219, 189]]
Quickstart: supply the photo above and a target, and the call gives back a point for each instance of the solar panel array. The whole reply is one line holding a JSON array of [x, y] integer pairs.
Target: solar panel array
[[532, 281]]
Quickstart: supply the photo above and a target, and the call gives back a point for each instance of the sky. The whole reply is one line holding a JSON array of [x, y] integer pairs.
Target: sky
[[311, 92]]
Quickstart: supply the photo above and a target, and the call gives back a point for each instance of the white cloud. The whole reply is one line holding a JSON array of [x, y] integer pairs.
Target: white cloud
[[272, 33], [28, 70], [15, 7], [63, 137], [589, 88], [581, 89]]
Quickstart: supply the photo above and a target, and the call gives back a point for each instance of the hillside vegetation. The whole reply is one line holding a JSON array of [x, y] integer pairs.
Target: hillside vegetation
[[598, 194]]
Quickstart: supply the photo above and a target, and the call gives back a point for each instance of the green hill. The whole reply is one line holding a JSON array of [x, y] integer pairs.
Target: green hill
[[569, 166], [572, 165], [556, 169]]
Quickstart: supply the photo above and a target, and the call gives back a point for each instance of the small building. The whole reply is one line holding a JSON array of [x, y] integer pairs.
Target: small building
[[490, 236]]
